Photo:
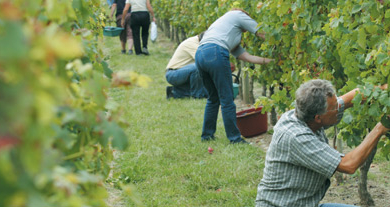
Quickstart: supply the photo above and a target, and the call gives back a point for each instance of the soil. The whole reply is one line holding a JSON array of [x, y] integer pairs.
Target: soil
[[346, 192]]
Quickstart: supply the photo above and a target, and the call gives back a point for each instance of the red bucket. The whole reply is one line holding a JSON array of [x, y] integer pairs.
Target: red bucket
[[251, 122]]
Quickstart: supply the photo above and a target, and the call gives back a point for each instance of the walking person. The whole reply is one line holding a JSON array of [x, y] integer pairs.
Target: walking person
[[127, 34], [212, 60], [140, 22], [182, 73], [299, 161]]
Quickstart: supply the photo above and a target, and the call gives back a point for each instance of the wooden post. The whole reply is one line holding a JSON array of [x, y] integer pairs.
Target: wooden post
[[246, 87], [339, 147], [167, 28]]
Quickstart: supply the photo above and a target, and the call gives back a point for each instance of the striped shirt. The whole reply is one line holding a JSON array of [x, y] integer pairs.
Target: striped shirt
[[298, 165]]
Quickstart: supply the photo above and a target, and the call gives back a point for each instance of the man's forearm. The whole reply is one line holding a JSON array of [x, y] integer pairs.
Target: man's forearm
[[358, 156], [254, 59], [348, 97], [113, 8]]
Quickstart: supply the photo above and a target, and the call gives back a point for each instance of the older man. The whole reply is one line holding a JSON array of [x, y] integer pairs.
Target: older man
[[299, 162]]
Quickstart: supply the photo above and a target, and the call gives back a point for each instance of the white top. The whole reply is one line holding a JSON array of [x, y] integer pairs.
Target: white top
[[137, 5], [184, 54]]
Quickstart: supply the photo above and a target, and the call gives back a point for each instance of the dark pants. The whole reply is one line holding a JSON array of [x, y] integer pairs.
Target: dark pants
[[140, 20]]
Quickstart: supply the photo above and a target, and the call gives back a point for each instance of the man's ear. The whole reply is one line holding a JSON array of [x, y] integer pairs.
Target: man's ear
[[317, 119]]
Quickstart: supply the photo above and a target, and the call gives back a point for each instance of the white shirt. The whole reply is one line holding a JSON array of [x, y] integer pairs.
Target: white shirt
[[137, 5]]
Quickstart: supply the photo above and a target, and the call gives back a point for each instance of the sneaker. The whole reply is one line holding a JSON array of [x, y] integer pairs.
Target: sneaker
[[130, 52], [145, 51], [239, 141], [169, 92], [123, 51]]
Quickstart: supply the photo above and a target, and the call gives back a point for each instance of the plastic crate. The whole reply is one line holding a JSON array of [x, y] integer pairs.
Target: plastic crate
[[112, 31]]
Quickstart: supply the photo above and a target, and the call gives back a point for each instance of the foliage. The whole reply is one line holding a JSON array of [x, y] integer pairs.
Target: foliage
[[57, 124], [346, 42]]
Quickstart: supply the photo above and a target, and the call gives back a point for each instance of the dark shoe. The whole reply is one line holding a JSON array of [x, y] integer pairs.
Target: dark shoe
[[169, 92], [130, 52], [212, 138], [239, 141], [145, 51], [123, 51]]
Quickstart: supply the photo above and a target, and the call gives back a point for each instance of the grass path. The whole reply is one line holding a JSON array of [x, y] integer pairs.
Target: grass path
[[166, 162]]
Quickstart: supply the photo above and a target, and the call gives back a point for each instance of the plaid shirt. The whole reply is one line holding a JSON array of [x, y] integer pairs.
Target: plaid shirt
[[298, 165]]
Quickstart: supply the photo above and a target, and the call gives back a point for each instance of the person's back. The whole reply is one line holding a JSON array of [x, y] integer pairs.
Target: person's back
[[182, 73], [138, 5], [184, 54], [120, 5], [226, 31]]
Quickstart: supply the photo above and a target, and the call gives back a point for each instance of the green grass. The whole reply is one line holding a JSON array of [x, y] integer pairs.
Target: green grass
[[166, 161]]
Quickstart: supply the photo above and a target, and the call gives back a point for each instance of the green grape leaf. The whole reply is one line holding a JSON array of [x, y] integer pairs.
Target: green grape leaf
[[107, 70], [384, 99], [347, 118], [114, 131], [381, 57], [356, 9], [387, 14], [362, 38], [385, 120], [12, 40], [374, 110]]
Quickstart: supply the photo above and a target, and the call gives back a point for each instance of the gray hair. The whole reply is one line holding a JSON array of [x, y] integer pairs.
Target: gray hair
[[311, 99]]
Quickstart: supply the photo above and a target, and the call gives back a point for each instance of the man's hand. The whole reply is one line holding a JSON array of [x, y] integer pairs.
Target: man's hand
[[123, 23], [267, 60], [383, 87]]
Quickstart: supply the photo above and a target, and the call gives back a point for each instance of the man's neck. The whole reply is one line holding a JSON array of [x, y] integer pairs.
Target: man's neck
[[313, 126]]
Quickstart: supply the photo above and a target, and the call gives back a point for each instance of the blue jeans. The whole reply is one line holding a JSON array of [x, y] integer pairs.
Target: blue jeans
[[335, 205], [213, 63], [186, 82]]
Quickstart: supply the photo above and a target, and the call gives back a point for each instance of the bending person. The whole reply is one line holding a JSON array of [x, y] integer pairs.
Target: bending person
[[212, 60], [299, 161], [182, 72]]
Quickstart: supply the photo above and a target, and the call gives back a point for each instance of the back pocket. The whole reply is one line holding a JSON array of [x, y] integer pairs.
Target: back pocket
[[209, 54]]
